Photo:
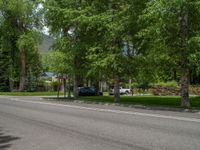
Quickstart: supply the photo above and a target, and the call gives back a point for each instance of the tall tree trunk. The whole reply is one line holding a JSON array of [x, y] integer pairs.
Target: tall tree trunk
[[89, 83], [185, 88], [58, 89], [174, 76], [75, 90], [22, 69], [11, 85], [191, 76], [183, 23], [130, 83], [69, 90], [11, 82], [22, 58], [64, 86], [96, 84], [101, 86], [116, 89]]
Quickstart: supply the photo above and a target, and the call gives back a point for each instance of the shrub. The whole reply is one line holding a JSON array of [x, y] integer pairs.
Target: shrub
[[167, 84], [55, 85]]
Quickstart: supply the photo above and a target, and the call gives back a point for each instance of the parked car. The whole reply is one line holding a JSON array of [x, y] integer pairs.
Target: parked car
[[122, 91], [88, 91]]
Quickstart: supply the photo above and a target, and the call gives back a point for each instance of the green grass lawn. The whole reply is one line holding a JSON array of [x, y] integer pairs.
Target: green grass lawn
[[155, 101], [29, 93], [159, 101]]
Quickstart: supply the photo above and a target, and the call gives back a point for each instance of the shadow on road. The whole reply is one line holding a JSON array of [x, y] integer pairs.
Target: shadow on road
[[5, 140]]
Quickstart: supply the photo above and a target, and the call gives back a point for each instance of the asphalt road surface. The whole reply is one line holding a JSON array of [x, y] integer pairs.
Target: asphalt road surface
[[29, 123]]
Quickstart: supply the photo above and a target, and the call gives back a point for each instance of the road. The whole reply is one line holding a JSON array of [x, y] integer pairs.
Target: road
[[29, 123]]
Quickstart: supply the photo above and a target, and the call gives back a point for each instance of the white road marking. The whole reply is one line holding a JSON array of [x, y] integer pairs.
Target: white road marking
[[112, 111]]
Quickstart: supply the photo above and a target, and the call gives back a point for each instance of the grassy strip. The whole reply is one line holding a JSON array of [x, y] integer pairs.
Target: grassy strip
[[155, 101], [29, 93]]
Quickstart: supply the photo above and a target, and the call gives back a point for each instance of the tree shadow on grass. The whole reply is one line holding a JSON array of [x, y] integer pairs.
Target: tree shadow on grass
[[5, 140]]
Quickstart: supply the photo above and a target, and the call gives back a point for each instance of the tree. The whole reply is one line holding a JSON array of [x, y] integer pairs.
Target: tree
[[114, 45], [96, 33], [173, 32], [19, 19], [4, 69], [29, 59], [57, 61], [61, 19]]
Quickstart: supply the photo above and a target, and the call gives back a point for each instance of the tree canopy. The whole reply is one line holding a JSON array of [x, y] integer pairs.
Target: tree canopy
[[20, 20], [113, 41]]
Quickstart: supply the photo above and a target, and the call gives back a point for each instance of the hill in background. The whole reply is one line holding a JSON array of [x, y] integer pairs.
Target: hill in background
[[45, 43]]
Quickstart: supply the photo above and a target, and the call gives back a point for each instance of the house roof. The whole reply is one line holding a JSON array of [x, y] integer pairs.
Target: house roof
[[48, 74]]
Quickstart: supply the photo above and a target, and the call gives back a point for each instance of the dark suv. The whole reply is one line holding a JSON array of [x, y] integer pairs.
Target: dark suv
[[88, 91]]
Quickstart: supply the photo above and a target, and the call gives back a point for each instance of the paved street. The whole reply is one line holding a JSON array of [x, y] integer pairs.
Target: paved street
[[29, 123]]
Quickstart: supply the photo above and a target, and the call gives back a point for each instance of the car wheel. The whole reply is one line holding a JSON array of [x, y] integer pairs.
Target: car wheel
[[127, 93]]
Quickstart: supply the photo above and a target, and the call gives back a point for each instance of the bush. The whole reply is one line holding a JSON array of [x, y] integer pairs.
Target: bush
[[166, 89], [170, 84], [55, 85], [41, 86]]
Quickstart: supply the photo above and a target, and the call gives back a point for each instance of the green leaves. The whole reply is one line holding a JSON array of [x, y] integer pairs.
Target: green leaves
[[20, 21], [162, 19], [28, 41], [56, 62]]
